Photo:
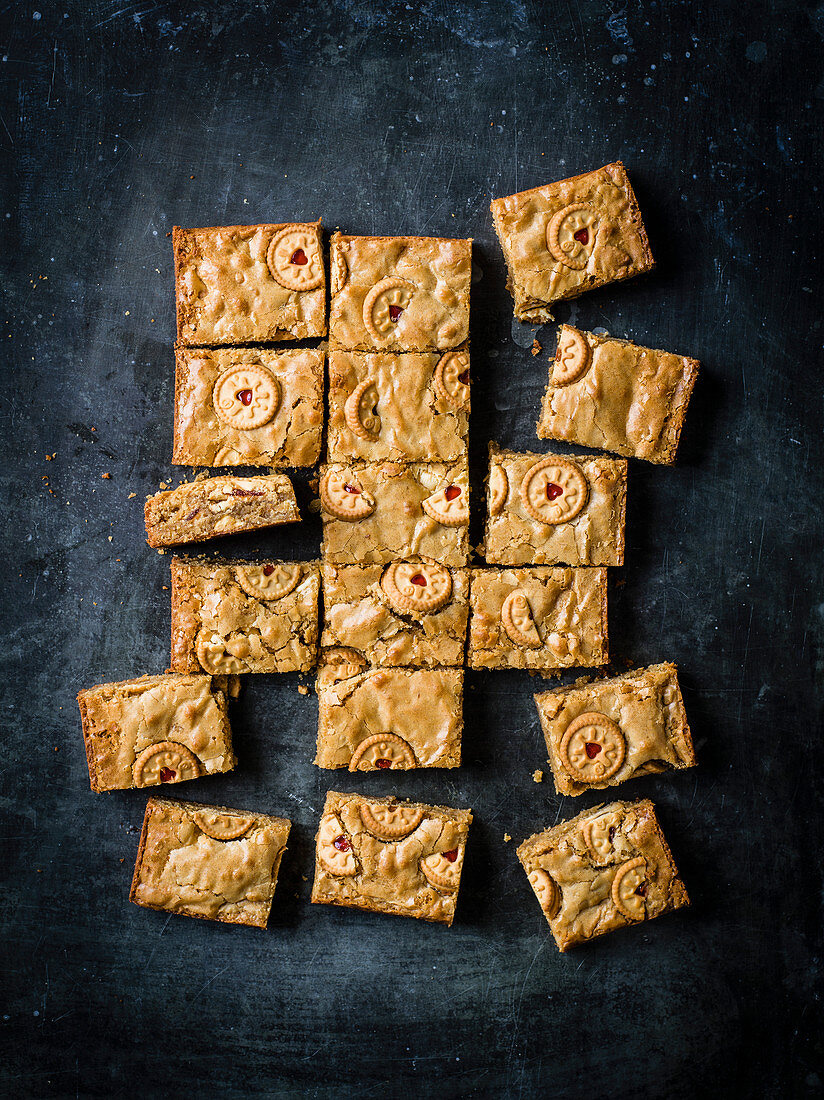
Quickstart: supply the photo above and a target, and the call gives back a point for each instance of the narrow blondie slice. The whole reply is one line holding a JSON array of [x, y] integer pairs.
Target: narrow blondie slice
[[388, 718], [199, 510], [542, 618], [241, 284], [554, 509], [387, 856], [606, 868], [565, 238], [155, 729], [399, 293], [248, 407], [412, 407], [616, 395], [407, 613], [387, 511], [208, 861], [243, 616], [602, 733]]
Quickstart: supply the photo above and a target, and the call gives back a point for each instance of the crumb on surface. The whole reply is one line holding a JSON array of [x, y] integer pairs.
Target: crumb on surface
[[106, 476], [537, 776], [537, 347], [303, 689], [131, 496], [507, 838]]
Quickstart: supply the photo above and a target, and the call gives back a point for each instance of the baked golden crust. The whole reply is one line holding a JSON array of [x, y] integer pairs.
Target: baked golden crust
[[630, 399], [593, 536], [123, 721], [398, 872], [182, 868], [218, 626], [287, 434], [399, 293], [564, 618], [606, 243], [609, 867], [646, 705], [423, 707], [226, 291]]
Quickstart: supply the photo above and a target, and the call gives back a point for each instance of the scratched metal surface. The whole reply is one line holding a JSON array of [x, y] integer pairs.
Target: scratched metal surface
[[120, 119]]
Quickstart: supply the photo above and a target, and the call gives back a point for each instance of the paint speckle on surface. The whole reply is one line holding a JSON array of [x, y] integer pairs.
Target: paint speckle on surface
[[756, 51]]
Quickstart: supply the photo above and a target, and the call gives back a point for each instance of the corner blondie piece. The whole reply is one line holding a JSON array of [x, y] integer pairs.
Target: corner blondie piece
[[386, 511], [155, 729], [208, 861], [614, 395], [241, 284], [565, 238], [411, 407], [606, 868], [248, 407], [406, 613], [399, 293], [602, 733], [554, 509], [243, 616], [387, 856], [542, 618], [388, 718], [199, 510]]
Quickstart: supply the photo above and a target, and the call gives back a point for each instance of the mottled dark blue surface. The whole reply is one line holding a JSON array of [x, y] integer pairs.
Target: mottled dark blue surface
[[120, 119]]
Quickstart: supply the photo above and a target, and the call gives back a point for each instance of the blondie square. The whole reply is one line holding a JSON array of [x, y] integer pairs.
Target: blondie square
[[388, 511], [386, 856], [606, 868], [554, 509], [565, 238], [155, 729], [399, 293], [407, 613], [614, 395], [242, 284], [410, 407], [208, 861], [387, 718], [541, 618], [243, 616], [199, 510], [248, 407]]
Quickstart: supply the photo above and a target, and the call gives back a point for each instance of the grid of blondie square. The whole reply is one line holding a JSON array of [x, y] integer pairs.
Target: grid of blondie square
[[394, 611]]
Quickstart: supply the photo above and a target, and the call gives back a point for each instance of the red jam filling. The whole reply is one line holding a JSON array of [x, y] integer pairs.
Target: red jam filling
[[611, 833], [641, 890], [244, 397], [341, 843], [383, 763], [452, 491], [236, 492], [582, 236], [192, 515], [553, 491], [395, 312], [592, 749], [352, 489], [420, 580], [451, 855], [464, 377], [167, 775], [298, 257], [268, 570]]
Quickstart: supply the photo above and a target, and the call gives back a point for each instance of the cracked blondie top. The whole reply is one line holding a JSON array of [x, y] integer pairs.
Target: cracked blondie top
[[387, 856], [248, 407], [541, 618], [155, 729], [399, 293], [225, 505], [387, 718], [240, 284], [208, 861], [554, 509], [600, 734], [565, 238], [406, 613], [605, 869], [243, 616], [408, 407], [383, 512], [617, 396]]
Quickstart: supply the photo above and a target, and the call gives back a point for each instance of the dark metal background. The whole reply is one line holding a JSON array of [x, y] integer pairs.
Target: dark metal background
[[120, 119]]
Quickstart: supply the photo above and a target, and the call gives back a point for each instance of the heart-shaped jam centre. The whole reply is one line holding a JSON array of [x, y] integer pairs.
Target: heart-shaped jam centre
[[298, 257], [167, 775], [341, 843], [395, 312], [464, 377], [582, 236], [553, 490], [641, 890], [383, 763], [452, 491], [592, 749], [268, 570], [451, 855], [352, 489], [419, 579], [244, 397]]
